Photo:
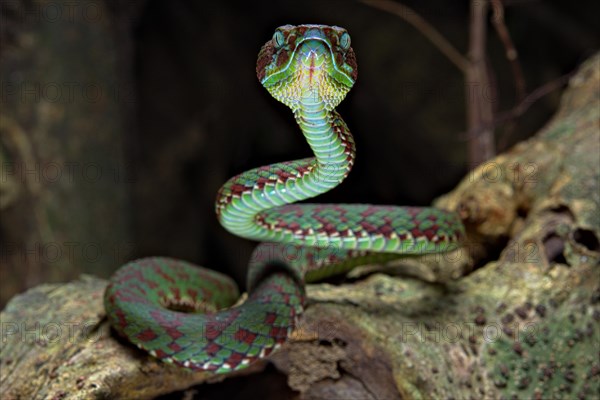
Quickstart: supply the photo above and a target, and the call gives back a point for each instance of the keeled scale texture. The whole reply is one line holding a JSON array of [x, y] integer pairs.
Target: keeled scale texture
[[183, 314]]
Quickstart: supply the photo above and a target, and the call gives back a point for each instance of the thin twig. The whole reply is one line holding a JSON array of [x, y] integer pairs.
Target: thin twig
[[511, 52], [419, 23], [523, 106]]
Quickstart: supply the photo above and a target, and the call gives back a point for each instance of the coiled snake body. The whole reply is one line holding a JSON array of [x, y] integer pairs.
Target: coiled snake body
[[184, 314]]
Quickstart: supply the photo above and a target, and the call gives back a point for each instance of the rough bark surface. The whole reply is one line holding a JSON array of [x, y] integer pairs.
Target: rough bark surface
[[524, 323]]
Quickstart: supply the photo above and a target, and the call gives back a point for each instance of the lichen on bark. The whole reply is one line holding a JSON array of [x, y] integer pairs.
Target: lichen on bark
[[525, 322]]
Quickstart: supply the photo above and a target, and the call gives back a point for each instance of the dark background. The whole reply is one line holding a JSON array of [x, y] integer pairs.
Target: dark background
[[191, 113]]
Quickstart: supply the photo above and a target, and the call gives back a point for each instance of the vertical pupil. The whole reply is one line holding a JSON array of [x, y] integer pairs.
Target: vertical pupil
[[345, 40], [278, 39]]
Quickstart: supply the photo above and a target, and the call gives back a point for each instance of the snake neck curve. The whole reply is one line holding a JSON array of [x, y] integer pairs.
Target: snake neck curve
[[310, 68]]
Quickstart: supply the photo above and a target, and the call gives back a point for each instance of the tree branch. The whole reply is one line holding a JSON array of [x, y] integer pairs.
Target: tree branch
[[479, 107], [419, 23], [511, 52], [523, 106]]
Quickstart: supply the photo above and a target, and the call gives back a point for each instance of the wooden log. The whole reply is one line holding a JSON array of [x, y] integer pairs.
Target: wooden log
[[524, 323]]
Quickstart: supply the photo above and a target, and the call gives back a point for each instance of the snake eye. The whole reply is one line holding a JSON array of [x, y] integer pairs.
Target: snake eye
[[278, 39], [345, 41]]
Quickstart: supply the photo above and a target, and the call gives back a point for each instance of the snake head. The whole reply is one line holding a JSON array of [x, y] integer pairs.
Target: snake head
[[307, 63]]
